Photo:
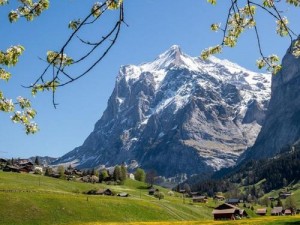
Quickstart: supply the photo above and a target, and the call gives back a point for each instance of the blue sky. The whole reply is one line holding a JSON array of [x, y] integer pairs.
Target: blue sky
[[154, 26]]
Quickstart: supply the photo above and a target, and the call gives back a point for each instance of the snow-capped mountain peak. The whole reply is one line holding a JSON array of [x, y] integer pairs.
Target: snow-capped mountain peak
[[178, 114]]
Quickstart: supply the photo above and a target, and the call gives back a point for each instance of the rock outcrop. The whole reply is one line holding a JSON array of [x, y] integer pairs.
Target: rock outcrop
[[281, 127]]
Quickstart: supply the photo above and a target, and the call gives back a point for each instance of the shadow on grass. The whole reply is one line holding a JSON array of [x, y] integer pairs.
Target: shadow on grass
[[142, 187], [292, 223]]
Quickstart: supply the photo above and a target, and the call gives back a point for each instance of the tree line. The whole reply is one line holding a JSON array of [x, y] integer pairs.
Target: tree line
[[280, 171]]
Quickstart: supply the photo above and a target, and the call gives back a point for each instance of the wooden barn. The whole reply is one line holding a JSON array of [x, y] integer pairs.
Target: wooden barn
[[228, 212], [200, 199], [219, 197], [288, 212], [233, 201], [277, 211], [261, 212]]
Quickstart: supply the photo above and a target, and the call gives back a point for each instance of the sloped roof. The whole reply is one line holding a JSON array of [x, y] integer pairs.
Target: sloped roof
[[288, 211], [199, 197], [277, 210], [227, 206], [233, 200], [259, 211], [224, 211], [123, 194]]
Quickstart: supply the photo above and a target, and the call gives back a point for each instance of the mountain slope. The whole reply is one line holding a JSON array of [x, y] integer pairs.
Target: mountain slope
[[177, 115], [282, 125]]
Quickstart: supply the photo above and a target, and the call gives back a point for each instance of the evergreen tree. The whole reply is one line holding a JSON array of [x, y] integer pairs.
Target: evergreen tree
[[93, 172], [61, 171], [123, 173], [103, 175], [187, 188], [48, 171], [37, 161], [150, 177], [117, 173], [8, 162]]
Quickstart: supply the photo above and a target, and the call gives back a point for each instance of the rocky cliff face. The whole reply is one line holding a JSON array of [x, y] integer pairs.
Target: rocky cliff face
[[177, 115], [282, 124]]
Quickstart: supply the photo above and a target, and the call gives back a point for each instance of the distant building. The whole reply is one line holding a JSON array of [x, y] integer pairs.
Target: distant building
[[288, 212], [233, 201], [277, 211], [195, 193], [261, 212], [9, 168], [201, 199], [284, 195], [3, 160], [228, 212], [219, 197], [131, 176], [23, 161]]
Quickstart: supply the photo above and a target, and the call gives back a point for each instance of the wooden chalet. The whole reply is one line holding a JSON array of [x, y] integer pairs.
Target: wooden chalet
[[277, 211], [26, 166], [9, 168], [288, 212], [200, 199], [233, 201], [23, 161], [3, 161], [228, 212], [219, 197], [261, 212], [25, 169], [194, 193]]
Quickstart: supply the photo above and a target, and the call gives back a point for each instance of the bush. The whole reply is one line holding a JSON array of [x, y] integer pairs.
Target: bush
[[38, 172], [159, 195]]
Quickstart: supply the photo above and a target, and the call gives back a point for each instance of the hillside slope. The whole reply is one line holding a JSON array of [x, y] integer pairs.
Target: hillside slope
[[37, 200]]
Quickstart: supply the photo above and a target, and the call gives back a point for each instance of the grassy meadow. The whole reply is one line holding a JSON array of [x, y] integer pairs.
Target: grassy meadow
[[27, 199]]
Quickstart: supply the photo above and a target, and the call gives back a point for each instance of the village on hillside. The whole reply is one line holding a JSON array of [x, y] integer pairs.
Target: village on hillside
[[225, 208]]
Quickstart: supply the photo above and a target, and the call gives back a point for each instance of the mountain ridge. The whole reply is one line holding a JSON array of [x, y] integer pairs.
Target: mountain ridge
[[177, 115]]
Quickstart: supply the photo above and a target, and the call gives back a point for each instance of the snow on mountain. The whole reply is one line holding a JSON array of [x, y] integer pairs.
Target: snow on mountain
[[178, 115]]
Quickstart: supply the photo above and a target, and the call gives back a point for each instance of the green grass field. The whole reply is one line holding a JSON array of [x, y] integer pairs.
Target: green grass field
[[27, 199]]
